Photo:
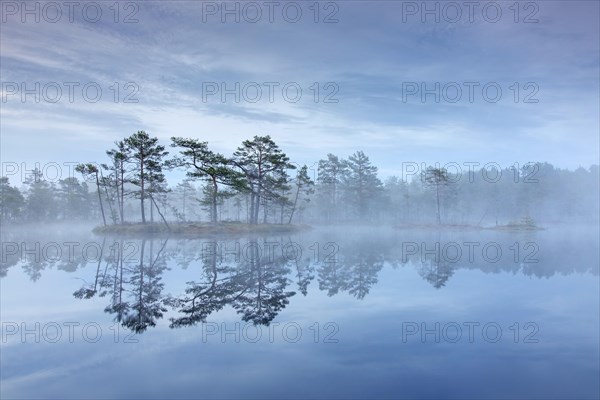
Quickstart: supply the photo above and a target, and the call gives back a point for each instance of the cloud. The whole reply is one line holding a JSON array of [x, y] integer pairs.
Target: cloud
[[368, 56]]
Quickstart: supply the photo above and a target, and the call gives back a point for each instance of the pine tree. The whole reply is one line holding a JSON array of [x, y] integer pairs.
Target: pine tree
[[436, 179], [147, 156], [91, 169], [12, 201], [362, 185], [331, 172], [304, 186], [119, 157], [263, 164], [203, 163]]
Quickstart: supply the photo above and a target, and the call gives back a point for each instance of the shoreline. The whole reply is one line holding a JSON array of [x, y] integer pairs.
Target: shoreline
[[457, 227], [197, 229]]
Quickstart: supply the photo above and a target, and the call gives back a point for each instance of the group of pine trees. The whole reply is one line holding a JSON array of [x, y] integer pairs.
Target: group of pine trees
[[40, 200], [258, 174], [259, 184]]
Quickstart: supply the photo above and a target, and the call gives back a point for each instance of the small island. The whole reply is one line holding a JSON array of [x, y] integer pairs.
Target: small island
[[525, 224], [198, 229], [439, 227]]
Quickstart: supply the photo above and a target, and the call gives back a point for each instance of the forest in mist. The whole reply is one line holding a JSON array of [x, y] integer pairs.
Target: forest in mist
[[259, 184]]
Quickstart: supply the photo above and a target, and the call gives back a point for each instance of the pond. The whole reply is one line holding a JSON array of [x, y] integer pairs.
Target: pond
[[331, 312]]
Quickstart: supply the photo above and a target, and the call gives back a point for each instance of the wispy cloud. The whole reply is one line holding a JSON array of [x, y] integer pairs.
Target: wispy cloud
[[370, 55]]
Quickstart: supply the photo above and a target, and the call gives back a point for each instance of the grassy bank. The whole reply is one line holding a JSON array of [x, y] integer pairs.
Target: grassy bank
[[439, 227], [191, 229], [517, 227], [452, 227]]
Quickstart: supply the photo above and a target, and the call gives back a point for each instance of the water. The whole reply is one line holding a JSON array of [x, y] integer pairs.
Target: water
[[340, 313]]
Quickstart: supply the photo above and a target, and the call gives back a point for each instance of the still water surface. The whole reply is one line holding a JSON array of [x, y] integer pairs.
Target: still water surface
[[338, 313]]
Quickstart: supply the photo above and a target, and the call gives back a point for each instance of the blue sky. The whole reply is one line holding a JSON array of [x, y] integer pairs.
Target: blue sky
[[370, 57]]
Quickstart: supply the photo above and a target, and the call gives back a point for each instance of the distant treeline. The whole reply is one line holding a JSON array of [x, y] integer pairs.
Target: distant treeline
[[259, 184]]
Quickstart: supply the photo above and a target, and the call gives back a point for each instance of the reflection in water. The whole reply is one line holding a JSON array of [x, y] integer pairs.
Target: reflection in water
[[255, 288], [257, 278], [135, 290], [353, 270], [261, 284], [35, 256], [435, 272], [146, 288]]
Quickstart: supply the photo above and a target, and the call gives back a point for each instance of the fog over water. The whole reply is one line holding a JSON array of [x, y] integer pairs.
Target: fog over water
[[299, 307], [328, 199]]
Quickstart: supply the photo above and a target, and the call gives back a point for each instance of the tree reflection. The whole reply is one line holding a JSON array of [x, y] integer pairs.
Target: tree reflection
[[353, 270], [304, 273], [263, 279], [117, 306], [143, 303], [203, 298], [433, 265], [435, 272], [259, 283], [90, 290], [255, 288], [331, 277], [147, 305]]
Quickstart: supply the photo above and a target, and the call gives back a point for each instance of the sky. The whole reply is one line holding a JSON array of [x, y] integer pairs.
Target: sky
[[405, 82]]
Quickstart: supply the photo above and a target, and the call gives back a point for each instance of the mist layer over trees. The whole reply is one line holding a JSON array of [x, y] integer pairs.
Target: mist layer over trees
[[258, 184]]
